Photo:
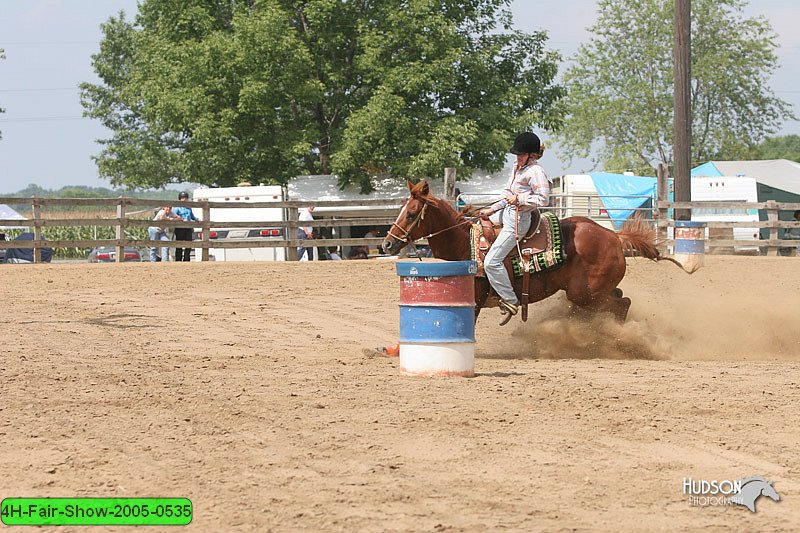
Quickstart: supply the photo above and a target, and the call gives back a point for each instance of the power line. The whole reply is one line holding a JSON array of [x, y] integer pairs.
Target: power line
[[42, 119], [43, 43], [39, 90]]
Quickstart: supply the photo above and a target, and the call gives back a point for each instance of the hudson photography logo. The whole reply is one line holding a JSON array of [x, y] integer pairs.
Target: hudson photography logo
[[744, 492]]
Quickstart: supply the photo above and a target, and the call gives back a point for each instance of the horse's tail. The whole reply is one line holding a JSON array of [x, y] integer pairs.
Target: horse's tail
[[637, 235]]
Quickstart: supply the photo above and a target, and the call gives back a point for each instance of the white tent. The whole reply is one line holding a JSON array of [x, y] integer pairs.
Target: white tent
[[7, 213], [326, 187]]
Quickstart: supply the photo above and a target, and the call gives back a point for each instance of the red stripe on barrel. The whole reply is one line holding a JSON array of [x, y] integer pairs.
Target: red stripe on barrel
[[450, 290]]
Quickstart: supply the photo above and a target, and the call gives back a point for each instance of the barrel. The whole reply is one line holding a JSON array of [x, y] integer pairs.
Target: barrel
[[437, 318], [690, 243]]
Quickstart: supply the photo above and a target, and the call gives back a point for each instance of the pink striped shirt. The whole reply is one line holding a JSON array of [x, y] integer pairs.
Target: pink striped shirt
[[531, 186]]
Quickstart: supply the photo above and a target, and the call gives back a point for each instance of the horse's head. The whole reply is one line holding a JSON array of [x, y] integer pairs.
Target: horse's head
[[768, 490], [411, 223]]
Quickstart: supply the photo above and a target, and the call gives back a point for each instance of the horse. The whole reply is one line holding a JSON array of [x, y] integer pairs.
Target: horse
[[595, 259], [753, 488]]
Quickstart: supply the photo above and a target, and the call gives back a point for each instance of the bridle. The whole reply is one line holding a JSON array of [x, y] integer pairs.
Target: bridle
[[406, 238]]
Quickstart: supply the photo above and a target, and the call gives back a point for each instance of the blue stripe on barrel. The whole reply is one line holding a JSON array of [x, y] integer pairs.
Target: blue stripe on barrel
[[437, 324], [437, 318], [690, 237]]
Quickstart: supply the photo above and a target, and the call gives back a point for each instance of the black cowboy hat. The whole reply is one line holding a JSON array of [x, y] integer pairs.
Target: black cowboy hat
[[526, 143]]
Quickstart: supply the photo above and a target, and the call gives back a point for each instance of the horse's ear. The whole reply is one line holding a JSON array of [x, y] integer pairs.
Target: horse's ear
[[423, 188], [410, 185]]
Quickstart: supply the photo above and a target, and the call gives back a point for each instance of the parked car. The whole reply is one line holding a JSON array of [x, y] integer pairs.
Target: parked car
[[108, 254]]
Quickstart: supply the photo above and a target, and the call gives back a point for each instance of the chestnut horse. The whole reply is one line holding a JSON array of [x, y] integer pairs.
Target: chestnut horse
[[594, 266]]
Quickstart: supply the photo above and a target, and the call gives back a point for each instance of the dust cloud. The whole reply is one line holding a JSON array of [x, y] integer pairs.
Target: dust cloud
[[716, 314]]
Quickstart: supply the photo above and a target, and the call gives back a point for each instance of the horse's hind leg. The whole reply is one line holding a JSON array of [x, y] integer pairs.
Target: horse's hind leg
[[607, 301], [620, 306]]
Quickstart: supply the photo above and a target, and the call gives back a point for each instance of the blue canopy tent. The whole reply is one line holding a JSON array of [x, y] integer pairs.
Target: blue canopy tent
[[622, 194]]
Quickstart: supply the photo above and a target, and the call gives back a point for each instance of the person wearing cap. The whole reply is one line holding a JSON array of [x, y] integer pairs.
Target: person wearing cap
[[527, 190], [184, 234]]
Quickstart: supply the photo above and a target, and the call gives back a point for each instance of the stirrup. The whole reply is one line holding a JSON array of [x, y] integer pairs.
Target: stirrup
[[508, 310]]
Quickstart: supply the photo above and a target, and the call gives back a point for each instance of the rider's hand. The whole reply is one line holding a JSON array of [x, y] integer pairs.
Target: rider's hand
[[513, 199]]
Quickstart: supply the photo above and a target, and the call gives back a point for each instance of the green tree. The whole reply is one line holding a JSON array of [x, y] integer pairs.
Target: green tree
[[261, 90], [620, 89], [784, 147]]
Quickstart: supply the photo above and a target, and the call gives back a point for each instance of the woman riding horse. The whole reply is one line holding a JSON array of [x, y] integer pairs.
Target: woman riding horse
[[527, 190], [590, 274]]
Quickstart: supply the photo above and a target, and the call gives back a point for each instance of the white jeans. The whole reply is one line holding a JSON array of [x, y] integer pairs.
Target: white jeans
[[507, 239]]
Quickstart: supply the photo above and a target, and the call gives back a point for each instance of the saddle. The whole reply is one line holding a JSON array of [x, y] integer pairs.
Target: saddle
[[541, 249]]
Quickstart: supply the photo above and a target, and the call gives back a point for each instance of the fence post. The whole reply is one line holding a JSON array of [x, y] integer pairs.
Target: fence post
[[120, 230], [37, 230], [772, 216], [450, 185], [293, 215], [206, 228], [662, 195]]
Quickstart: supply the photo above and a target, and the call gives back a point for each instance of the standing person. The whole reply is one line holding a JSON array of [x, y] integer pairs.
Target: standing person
[[159, 233], [306, 232], [184, 234], [527, 190]]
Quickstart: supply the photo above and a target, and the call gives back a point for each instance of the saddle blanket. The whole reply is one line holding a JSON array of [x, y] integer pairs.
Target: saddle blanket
[[551, 256]]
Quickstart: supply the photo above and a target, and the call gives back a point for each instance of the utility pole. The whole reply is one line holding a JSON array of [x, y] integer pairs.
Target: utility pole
[[682, 124]]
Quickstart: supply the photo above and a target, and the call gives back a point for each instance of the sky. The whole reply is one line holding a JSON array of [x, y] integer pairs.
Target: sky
[[49, 43]]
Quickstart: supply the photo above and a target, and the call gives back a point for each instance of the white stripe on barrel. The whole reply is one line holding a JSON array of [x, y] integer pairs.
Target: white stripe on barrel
[[437, 318]]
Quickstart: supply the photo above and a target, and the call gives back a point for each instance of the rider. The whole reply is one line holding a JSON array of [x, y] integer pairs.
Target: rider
[[528, 189]]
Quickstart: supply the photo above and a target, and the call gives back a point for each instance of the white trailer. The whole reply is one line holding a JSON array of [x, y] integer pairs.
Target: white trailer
[[261, 231], [727, 189], [575, 195]]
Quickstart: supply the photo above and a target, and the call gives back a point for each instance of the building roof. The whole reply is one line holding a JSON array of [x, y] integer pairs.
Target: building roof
[[326, 187], [776, 173]]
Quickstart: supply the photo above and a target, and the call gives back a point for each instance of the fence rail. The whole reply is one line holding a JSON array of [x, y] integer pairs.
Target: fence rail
[[772, 245], [122, 222]]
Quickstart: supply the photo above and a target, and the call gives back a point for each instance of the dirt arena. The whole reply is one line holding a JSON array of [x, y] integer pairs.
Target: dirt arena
[[253, 390]]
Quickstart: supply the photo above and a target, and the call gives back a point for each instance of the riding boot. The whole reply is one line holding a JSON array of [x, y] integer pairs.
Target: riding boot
[[508, 310]]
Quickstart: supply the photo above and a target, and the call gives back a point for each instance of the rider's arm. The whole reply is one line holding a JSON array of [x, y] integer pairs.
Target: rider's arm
[[539, 194]]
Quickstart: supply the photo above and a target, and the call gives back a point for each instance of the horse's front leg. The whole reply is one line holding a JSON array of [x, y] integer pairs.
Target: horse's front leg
[[481, 294]]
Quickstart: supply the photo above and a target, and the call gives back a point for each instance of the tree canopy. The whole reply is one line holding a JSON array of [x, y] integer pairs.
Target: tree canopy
[[620, 88], [218, 92], [784, 147]]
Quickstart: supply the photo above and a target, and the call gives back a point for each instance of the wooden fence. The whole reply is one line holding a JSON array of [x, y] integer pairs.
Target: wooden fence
[[772, 222], [121, 222], [290, 224]]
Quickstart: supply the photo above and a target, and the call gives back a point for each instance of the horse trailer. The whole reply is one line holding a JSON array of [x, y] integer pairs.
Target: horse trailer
[[260, 216]]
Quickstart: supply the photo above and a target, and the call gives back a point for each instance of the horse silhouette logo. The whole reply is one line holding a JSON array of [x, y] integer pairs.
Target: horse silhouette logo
[[752, 488]]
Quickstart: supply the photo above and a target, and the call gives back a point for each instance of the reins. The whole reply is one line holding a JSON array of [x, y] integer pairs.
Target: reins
[[407, 232]]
